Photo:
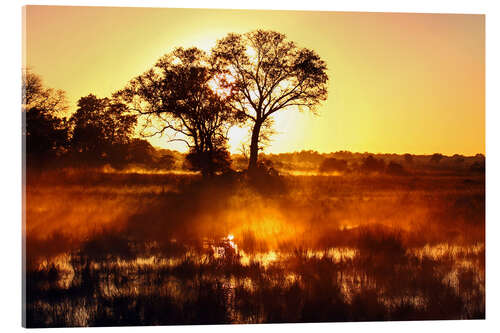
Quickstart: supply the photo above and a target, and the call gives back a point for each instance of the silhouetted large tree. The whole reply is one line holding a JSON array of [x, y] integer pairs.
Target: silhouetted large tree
[[46, 129], [183, 95], [271, 74]]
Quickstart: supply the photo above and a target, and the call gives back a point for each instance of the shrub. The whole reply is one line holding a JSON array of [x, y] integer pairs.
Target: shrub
[[372, 164], [333, 164], [395, 169]]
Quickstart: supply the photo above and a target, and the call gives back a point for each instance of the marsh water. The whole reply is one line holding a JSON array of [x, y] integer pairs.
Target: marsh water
[[107, 248]]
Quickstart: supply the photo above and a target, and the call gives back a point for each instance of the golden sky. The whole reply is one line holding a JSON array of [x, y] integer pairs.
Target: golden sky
[[398, 82]]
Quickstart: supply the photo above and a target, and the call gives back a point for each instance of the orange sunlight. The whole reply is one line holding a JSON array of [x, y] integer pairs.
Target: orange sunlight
[[421, 75]]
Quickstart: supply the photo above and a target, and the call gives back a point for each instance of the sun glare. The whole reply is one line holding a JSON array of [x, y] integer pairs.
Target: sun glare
[[219, 83], [238, 136]]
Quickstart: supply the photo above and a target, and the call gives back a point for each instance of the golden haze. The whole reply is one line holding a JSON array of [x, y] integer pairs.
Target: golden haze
[[398, 82]]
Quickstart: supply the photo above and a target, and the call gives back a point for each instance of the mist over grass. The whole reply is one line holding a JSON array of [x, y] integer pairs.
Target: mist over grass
[[129, 248]]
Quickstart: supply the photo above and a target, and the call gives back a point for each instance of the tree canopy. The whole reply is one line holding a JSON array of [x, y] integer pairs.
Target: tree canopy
[[270, 74], [101, 127], [36, 96], [183, 97], [45, 132]]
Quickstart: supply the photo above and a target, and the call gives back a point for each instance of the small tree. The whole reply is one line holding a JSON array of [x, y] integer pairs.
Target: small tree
[[372, 164], [101, 130], [436, 158], [140, 151], [182, 95], [270, 74], [408, 158], [45, 129], [36, 96], [458, 159], [165, 162]]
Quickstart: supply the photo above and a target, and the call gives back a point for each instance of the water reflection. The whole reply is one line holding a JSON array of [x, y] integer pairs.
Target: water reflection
[[245, 287]]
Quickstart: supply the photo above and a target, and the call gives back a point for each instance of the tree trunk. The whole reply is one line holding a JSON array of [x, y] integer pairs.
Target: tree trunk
[[210, 160], [254, 146]]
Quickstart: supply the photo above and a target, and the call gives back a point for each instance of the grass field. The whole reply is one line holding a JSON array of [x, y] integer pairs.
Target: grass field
[[148, 249]]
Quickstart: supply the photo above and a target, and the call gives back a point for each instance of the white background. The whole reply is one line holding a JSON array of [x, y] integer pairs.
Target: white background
[[10, 155]]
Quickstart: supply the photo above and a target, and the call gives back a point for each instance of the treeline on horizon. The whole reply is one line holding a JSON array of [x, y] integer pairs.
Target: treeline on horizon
[[346, 162]]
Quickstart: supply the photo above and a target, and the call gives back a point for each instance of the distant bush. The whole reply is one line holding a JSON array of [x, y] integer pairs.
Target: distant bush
[[458, 159], [395, 169], [408, 158], [477, 167], [140, 152], [333, 164], [436, 158], [209, 162], [376, 240], [165, 162], [372, 164]]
